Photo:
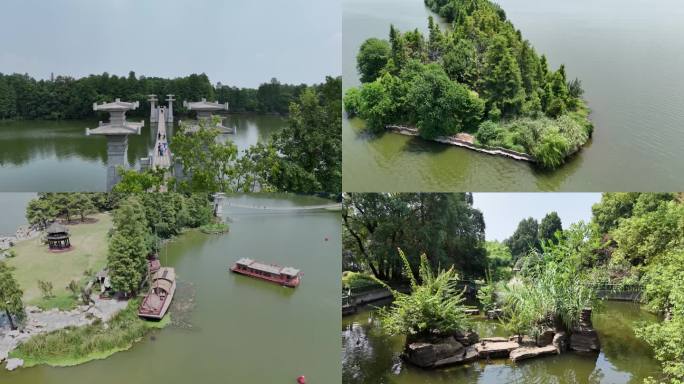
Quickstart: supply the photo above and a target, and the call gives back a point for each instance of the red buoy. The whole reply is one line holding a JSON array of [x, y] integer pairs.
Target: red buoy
[[301, 380]]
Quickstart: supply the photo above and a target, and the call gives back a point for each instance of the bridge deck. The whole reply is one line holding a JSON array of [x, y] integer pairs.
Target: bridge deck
[[163, 159]]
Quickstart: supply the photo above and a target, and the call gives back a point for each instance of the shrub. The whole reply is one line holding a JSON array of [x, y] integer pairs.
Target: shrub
[[434, 306], [352, 102], [551, 151], [489, 132], [74, 288], [359, 281], [45, 289]]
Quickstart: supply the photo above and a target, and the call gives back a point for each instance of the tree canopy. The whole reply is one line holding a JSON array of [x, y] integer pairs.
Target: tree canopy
[[445, 227], [479, 75], [550, 224], [524, 239], [64, 97], [10, 296]]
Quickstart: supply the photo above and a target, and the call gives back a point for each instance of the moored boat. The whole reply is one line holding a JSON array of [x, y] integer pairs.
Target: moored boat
[[158, 299], [287, 276]]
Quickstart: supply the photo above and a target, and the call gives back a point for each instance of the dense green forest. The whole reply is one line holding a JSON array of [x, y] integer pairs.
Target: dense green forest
[[479, 77], [634, 241], [63, 97]]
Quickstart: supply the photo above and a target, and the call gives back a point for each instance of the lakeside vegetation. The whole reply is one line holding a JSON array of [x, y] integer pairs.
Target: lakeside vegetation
[[65, 97], [304, 157], [542, 277], [77, 345], [479, 77]]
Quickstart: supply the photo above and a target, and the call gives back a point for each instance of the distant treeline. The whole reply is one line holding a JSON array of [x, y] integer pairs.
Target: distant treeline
[[63, 97]]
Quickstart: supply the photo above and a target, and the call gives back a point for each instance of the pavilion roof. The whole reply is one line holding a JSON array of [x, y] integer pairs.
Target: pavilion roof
[[116, 105], [205, 105], [108, 129], [57, 228]]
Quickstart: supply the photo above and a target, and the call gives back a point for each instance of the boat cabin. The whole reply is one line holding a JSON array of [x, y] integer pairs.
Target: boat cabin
[[284, 275]]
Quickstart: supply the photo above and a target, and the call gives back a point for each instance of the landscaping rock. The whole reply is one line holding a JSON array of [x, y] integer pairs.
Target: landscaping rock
[[530, 352], [493, 349], [469, 355], [467, 338], [585, 340], [526, 341], [424, 354], [472, 312], [3, 356], [546, 337], [13, 364], [494, 339], [560, 342]]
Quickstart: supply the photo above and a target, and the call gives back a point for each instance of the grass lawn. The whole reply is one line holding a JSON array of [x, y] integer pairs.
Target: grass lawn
[[34, 262]]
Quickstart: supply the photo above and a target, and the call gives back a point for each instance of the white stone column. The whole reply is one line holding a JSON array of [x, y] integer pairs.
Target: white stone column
[[117, 155]]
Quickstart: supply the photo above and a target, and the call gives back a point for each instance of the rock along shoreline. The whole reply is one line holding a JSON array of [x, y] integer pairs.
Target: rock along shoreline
[[457, 142]]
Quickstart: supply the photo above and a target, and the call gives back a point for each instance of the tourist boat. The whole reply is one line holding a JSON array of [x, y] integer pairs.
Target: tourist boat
[[153, 264], [286, 276], [158, 299]]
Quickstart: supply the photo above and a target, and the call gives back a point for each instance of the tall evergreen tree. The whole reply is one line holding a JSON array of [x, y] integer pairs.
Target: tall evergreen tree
[[524, 239], [550, 224], [128, 247], [10, 296]]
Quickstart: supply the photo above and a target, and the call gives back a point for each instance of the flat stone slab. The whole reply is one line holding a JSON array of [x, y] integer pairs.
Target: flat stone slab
[[469, 355], [13, 364], [494, 339], [490, 349], [530, 352], [472, 312]]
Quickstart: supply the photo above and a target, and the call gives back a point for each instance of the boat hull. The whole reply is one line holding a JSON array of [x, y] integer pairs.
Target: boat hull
[[288, 283], [157, 315]]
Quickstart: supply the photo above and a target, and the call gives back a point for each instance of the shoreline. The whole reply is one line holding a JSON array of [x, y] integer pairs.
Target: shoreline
[[454, 141]]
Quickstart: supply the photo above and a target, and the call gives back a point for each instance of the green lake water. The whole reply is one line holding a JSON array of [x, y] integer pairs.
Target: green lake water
[[240, 330], [369, 356], [57, 156], [629, 56]]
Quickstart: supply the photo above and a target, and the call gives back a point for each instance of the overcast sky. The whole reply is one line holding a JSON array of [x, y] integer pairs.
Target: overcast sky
[[236, 42], [503, 211]]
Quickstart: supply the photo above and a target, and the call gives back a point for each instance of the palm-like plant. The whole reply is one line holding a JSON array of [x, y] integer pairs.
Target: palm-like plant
[[434, 307]]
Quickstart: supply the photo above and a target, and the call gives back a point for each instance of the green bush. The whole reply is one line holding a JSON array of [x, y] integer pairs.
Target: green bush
[[434, 306], [352, 101], [489, 132], [359, 281]]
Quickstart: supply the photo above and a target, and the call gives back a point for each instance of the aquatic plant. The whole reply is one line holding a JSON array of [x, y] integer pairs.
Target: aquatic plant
[[551, 294], [433, 307]]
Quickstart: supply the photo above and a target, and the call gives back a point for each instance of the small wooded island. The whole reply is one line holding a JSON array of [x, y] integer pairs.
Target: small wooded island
[[478, 85]]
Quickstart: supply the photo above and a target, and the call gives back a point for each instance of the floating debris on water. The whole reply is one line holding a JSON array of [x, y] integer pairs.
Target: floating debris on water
[[183, 305]]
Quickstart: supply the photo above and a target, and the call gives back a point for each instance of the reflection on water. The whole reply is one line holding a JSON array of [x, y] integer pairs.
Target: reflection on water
[[629, 63], [370, 356], [58, 156]]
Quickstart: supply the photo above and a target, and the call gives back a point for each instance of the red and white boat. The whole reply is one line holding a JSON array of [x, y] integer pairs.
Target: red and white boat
[[286, 276], [158, 299]]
